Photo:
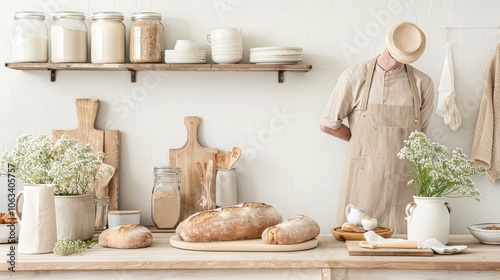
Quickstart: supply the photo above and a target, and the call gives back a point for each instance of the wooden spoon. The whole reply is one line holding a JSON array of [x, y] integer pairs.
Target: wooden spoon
[[235, 155], [199, 171], [220, 160], [402, 245]]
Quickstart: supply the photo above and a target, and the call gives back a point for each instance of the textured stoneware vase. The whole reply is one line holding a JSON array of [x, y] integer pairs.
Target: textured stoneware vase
[[37, 219], [428, 217], [75, 215]]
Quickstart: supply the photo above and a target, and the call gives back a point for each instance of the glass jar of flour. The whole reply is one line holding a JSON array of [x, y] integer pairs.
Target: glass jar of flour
[[29, 37], [166, 199], [107, 38], [68, 40], [146, 38]]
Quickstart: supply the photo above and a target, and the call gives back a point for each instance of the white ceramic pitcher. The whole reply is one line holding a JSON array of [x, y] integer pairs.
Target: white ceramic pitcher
[[38, 232], [354, 214]]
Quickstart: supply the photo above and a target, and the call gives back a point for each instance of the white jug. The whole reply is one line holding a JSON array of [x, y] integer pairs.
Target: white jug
[[38, 232], [354, 215], [428, 217]]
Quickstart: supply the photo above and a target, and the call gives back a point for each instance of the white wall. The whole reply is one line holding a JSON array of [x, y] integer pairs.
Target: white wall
[[288, 162]]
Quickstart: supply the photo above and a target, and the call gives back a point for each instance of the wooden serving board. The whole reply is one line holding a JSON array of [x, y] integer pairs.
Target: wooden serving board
[[342, 235], [107, 141], [355, 250], [251, 245], [185, 158]]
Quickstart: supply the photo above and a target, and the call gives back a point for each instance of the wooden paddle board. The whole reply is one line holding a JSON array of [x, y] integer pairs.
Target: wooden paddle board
[[107, 141], [186, 158], [250, 245], [355, 250]]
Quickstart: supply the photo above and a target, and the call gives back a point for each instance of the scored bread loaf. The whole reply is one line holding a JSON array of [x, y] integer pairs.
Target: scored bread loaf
[[243, 221], [126, 237], [295, 230]]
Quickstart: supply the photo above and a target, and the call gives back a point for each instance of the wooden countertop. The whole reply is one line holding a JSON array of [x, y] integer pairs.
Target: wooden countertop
[[330, 253]]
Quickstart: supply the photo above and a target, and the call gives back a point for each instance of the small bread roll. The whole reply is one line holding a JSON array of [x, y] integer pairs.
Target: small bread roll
[[126, 237], [292, 231], [352, 228]]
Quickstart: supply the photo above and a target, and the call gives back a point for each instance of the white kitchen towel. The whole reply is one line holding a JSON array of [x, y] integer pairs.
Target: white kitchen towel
[[446, 107]]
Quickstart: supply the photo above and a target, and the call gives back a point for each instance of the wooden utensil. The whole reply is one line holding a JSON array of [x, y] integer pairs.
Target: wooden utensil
[[235, 155], [355, 250], [107, 141], [400, 245], [220, 161], [186, 158]]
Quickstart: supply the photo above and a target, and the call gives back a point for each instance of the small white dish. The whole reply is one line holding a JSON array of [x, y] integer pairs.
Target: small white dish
[[370, 224], [123, 217], [185, 45]]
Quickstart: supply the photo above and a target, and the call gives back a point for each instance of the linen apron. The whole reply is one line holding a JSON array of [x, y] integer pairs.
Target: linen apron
[[374, 177]]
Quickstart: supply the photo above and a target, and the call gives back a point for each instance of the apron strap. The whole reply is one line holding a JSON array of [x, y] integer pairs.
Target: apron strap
[[368, 83], [413, 88]]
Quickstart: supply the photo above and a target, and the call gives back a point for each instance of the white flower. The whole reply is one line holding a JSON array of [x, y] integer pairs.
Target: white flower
[[436, 171]]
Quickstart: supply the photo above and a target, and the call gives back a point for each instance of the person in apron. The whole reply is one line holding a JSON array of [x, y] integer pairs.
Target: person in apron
[[384, 100]]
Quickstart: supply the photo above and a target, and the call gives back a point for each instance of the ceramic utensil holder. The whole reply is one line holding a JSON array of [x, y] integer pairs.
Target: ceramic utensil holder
[[226, 189]]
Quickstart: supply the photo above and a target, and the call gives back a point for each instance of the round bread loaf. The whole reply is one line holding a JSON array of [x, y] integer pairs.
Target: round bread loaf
[[243, 221], [126, 237]]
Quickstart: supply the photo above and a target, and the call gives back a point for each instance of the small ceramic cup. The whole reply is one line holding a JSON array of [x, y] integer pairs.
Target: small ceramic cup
[[123, 217], [370, 224]]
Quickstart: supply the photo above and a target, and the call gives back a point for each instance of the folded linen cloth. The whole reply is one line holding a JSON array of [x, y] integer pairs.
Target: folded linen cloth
[[446, 107], [431, 243]]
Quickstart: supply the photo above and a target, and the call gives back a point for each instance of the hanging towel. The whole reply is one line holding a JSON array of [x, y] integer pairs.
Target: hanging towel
[[486, 144], [446, 106]]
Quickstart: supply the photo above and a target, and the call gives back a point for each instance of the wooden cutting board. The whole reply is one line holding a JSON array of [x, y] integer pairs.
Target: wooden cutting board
[[355, 250], [251, 245], [107, 141], [186, 158]]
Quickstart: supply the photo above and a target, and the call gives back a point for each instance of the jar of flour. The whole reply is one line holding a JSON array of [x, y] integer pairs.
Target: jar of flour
[[29, 37], [107, 38], [68, 40]]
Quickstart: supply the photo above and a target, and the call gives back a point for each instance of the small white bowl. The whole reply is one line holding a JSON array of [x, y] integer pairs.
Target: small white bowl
[[9, 230], [369, 224], [486, 236], [123, 217], [186, 45]]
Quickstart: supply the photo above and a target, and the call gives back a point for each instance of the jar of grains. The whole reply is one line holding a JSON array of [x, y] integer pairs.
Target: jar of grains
[[29, 37], [166, 200], [68, 40], [146, 38], [107, 38]]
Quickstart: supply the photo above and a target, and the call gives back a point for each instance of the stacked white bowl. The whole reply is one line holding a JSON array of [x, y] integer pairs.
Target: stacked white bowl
[[185, 51], [226, 45]]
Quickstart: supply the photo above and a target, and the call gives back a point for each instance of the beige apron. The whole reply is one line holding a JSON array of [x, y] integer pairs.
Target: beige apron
[[374, 177]]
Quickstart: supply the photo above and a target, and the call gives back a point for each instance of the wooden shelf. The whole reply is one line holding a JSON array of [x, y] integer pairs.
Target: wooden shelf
[[133, 67]]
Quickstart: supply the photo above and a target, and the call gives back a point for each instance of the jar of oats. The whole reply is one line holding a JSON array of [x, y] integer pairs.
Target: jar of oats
[[146, 38], [107, 38], [68, 37]]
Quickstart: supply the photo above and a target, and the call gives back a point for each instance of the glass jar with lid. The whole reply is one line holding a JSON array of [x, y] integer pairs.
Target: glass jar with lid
[[146, 38], [107, 38], [68, 40], [29, 40], [166, 199]]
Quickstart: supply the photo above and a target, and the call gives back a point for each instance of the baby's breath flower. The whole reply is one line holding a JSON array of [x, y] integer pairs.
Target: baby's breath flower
[[72, 167], [64, 247], [438, 172]]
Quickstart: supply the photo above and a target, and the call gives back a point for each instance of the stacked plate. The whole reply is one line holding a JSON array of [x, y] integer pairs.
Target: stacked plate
[[276, 55], [185, 56]]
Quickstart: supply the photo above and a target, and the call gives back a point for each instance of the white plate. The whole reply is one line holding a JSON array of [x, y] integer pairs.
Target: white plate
[[288, 57], [274, 60], [173, 61], [275, 49]]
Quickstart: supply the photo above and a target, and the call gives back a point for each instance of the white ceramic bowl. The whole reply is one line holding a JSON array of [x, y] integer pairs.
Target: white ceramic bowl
[[486, 236], [186, 45], [123, 217], [369, 224], [8, 230], [229, 59]]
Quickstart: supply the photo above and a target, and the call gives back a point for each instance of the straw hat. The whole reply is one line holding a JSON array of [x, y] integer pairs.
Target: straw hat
[[405, 42]]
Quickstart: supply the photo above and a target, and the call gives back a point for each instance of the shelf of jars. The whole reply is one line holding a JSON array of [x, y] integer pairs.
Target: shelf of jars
[[134, 67]]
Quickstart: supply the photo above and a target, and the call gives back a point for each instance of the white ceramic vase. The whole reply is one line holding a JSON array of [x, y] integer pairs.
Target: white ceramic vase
[[75, 216], [37, 219], [428, 217]]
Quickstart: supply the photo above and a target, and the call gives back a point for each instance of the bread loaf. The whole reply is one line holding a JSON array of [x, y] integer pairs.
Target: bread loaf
[[243, 221], [292, 231], [352, 228], [126, 237]]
